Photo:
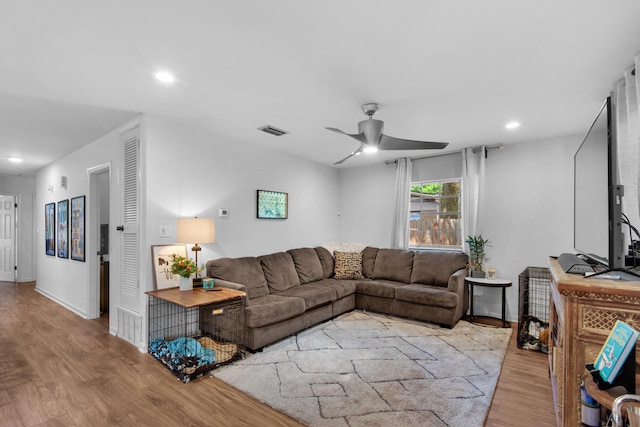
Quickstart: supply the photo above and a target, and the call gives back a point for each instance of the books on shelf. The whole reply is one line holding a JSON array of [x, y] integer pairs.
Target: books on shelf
[[616, 349]]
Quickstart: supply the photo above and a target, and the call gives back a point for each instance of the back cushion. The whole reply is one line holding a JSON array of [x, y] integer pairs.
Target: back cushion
[[245, 271], [307, 264], [435, 268], [393, 264], [326, 260], [279, 271], [368, 261]]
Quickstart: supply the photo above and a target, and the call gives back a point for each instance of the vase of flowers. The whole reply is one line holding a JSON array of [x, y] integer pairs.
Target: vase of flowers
[[185, 268]]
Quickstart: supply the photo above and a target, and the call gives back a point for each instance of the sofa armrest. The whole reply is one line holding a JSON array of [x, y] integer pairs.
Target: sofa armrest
[[456, 281], [233, 285], [457, 285]]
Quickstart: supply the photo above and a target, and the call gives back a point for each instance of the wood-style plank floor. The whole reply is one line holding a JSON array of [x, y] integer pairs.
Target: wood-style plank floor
[[57, 369]]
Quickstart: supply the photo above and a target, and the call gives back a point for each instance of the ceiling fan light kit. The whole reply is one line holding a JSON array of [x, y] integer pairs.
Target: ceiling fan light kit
[[371, 137]]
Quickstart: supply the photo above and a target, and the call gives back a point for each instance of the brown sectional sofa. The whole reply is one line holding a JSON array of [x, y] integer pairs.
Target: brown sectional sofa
[[290, 291]]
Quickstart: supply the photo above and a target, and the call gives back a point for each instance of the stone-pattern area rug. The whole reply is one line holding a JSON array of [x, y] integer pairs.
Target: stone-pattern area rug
[[367, 369]]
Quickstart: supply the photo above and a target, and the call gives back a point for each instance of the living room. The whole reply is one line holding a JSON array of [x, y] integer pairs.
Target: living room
[[188, 169]]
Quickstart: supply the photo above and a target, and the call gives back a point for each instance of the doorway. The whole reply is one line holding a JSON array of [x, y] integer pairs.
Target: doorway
[[98, 253], [8, 238]]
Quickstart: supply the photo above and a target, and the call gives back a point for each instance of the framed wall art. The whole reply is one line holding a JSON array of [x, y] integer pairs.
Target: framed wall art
[[162, 256], [50, 229], [77, 229], [272, 204], [63, 229]]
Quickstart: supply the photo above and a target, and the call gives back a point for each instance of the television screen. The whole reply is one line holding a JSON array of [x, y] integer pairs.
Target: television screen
[[598, 195], [591, 196]]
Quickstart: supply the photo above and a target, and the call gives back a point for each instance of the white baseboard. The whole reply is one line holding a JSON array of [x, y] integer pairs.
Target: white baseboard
[[63, 303]]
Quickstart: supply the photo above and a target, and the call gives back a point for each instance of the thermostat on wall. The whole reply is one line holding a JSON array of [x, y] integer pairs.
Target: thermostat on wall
[[223, 212]]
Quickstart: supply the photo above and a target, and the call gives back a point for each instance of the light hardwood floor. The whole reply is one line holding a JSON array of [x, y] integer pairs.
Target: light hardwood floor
[[57, 369]]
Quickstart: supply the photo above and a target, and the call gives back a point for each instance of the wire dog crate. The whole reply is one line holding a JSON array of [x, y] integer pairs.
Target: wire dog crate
[[533, 308], [191, 338]]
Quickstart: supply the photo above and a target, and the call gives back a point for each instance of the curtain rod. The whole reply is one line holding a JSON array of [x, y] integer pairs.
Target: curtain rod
[[500, 147]]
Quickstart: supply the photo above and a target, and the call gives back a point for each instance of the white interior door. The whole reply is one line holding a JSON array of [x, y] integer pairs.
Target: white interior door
[[7, 238]]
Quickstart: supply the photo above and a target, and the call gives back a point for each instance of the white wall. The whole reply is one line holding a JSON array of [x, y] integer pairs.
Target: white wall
[[64, 280], [366, 204], [24, 189], [190, 172], [527, 212]]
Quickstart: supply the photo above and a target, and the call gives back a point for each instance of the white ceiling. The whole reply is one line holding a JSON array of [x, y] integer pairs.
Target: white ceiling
[[452, 71]]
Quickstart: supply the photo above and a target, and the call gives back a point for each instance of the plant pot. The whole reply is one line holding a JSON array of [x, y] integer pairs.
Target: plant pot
[[186, 283], [478, 274]]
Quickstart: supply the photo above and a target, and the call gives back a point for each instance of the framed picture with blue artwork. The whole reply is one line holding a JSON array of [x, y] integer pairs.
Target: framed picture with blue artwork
[[50, 229], [77, 229], [272, 205], [63, 229]]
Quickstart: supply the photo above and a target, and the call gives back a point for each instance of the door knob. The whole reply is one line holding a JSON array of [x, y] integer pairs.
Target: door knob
[[120, 228]]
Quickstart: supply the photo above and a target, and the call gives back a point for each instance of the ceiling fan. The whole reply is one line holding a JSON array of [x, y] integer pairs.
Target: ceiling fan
[[372, 139]]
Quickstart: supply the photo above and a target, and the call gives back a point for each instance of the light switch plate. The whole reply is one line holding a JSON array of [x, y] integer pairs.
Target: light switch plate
[[164, 231]]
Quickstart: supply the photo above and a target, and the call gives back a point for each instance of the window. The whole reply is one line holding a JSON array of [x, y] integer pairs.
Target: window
[[435, 216]]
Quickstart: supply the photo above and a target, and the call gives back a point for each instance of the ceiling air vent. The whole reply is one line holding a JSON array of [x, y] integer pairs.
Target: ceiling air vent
[[272, 130]]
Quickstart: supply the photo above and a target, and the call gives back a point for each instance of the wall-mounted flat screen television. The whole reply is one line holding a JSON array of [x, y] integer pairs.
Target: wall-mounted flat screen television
[[598, 195]]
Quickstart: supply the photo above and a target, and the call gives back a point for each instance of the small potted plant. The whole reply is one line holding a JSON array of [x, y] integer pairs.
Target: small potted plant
[[477, 254], [185, 268]]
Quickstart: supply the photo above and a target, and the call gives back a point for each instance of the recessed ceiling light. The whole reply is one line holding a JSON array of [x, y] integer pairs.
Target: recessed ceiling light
[[15, 159], [512, 125], [165, 77]]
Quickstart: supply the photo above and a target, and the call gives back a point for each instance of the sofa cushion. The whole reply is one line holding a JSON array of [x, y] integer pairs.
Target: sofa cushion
[[326, 260], [313, 295], [246, 271], [427, 295], [435, 267], [279, 271], [393, 264], [343, 288], [270, 309], [307, 264], [378, 288], [368, 261], [348, 265]]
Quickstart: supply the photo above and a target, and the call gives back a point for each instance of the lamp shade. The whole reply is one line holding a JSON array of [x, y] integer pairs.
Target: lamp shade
[[196, 230]]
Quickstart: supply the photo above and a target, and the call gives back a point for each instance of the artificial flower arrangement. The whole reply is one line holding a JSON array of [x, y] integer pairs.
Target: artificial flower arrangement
[[184, 267]]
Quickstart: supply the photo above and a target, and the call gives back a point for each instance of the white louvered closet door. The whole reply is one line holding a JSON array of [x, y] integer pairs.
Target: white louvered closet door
[[130, 289]]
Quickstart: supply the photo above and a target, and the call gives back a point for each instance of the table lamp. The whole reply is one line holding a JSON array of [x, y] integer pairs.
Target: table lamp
[[196, 230]]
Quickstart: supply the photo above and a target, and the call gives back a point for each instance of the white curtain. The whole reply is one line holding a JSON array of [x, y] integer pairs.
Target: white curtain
[[473, 164], [626, 97], [400, 229]]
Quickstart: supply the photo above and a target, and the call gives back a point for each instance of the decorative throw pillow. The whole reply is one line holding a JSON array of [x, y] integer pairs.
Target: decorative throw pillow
[[348, 265]]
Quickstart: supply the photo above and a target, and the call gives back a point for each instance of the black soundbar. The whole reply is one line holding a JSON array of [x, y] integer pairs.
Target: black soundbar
[[571, 263]]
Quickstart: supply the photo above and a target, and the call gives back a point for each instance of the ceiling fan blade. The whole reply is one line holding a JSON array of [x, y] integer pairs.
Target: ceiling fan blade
[[391, 143], [355, 153], [359, 136]]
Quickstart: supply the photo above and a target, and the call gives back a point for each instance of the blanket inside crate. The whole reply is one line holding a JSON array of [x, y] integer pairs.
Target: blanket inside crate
[[181, 354], [186, 355]]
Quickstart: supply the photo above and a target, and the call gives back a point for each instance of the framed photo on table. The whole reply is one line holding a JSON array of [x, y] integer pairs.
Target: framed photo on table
[[162, 256], [77, 229], [63, 229], [50, 229]]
